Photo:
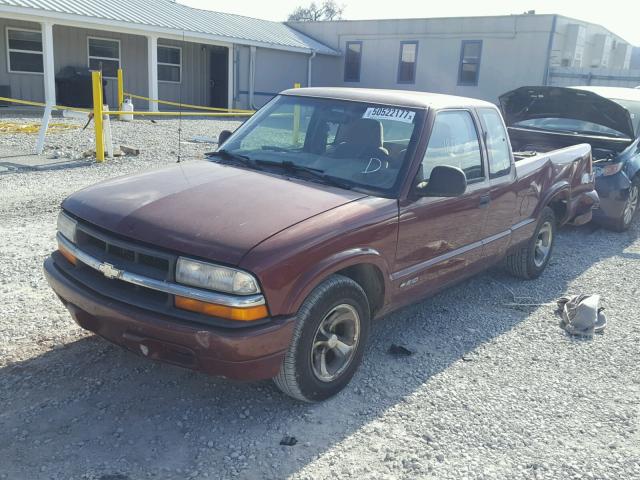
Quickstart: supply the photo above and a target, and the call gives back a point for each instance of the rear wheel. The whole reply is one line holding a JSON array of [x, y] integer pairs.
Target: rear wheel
[[328, 342], [630, 207], [530, 260]]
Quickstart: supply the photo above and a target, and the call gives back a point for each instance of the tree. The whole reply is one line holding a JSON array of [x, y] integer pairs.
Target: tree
[[327, 10]]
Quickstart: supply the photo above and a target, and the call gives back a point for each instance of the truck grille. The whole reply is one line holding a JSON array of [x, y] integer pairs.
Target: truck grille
[[124, 255]]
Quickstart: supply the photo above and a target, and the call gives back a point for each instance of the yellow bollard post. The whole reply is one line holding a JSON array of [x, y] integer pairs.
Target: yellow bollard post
[[296, 120], [120, 89], [96, 80]]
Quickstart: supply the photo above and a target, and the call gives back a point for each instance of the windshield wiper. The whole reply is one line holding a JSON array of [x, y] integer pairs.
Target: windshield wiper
[[313, 172], [227, 155]]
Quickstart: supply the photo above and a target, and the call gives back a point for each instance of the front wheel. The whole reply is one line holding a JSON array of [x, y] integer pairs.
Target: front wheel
[[630, 207], [328, 341], [530, 260]]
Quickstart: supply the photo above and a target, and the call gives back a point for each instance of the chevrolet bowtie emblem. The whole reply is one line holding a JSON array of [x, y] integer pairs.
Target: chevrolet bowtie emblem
[[109, 270]]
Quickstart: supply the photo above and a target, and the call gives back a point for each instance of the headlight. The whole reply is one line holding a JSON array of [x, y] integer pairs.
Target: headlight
[[215, 277], [67, 226], [607, 169]]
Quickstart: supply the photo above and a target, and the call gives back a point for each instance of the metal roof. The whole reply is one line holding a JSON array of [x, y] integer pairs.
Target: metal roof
[[169, 15]]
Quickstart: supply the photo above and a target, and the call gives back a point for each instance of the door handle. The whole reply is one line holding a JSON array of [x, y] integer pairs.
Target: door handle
[[485, 200]]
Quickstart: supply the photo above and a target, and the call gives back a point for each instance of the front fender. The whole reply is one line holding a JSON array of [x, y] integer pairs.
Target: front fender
[[330, 265]]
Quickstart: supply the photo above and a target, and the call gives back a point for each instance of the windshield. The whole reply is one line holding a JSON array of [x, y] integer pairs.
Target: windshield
[[568, 125], [353, 144], [634, 110]]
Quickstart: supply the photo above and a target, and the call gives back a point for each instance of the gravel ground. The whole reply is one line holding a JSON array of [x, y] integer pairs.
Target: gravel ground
[[491, 391]]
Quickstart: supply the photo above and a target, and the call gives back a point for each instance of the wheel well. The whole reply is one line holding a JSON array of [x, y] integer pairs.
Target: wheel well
[[559, 206], [370, 278]]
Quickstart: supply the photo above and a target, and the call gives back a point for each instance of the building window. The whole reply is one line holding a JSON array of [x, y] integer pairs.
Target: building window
[[352, 62], [169, 64], [24, 50], [104, 54], [469, 70], [407, 62]]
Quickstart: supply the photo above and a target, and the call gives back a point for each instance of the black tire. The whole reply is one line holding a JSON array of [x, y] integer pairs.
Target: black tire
[[526, 261], [623, 223], [299, 376]]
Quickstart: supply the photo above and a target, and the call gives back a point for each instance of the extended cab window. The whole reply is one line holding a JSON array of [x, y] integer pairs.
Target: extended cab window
[[497, 142], [454, 142]]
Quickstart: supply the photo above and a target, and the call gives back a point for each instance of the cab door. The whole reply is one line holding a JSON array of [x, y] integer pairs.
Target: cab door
[[440, 239]]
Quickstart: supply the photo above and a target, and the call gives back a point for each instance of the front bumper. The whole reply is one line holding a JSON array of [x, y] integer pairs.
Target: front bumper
[[613, 192], [251, 353]]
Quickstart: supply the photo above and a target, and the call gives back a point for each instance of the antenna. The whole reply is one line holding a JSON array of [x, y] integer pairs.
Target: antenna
[[180, 107]]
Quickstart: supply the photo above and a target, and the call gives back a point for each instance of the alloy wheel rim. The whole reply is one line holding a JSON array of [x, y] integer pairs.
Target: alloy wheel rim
[[543, 244], [335, 342], [632, 204]]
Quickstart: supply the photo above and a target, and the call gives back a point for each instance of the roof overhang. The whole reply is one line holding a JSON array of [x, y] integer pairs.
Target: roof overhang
[[80, 21]]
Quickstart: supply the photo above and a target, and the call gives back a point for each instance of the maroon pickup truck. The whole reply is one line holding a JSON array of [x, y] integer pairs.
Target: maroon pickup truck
[[327, 209]]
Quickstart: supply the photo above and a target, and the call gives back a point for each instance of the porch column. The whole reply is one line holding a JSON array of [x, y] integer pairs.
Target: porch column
[[252, 75], [152, 68], [46, 29]]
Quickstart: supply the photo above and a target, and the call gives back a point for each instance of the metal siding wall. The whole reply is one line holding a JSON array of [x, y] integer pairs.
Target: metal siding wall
[[24, 86], [514, 52], [326, 71], [195, 75], [70, 48], [276, 71]]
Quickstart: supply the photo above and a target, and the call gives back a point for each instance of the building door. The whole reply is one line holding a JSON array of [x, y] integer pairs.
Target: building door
[[219, 77]]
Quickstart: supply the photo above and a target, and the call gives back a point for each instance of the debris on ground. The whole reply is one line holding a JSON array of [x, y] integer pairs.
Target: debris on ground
[[399, 351], [203, 139], [288, 441], [34, 128], [130, 150], [582, 315]]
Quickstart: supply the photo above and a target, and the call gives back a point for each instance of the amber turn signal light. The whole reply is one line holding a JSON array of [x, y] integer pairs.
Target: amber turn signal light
[[212, 309], [67, 254]]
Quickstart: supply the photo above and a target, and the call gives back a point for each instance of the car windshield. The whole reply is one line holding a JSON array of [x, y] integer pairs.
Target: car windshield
[[634, 110], [356, 145], [568, 125]]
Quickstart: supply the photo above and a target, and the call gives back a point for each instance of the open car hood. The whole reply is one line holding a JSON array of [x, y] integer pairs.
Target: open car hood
[[526, 103]]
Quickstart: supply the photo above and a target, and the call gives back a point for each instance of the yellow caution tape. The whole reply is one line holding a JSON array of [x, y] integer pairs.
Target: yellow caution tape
[[40, 104], [186, 105]]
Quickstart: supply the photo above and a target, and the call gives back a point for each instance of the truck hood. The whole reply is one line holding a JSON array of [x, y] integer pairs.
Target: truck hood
[[203, 209], [526, 103]]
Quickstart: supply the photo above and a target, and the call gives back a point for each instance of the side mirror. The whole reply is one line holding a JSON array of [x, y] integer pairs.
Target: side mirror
[[224, 136], [445, 181]]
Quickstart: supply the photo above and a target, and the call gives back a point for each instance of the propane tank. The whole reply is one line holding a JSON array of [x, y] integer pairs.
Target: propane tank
[[127, 106]]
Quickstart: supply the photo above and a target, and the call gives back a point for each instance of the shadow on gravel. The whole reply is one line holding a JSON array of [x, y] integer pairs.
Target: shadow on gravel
[[91, 410]]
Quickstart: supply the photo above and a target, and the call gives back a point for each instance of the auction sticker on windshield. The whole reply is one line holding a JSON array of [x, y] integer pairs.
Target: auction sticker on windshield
[[388, 113]]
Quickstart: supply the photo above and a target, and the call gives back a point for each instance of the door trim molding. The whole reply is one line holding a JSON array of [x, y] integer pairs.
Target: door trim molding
[[418, 267]]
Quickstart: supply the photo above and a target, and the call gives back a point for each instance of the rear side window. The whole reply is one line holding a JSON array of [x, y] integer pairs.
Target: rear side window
[[497, 142], [454, 142]]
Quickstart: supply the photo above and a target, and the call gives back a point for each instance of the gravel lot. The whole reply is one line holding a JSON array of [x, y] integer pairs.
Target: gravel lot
[[490, 392]]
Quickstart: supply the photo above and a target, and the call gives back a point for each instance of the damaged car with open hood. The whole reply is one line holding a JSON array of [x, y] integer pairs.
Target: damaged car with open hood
[[607, 118]]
